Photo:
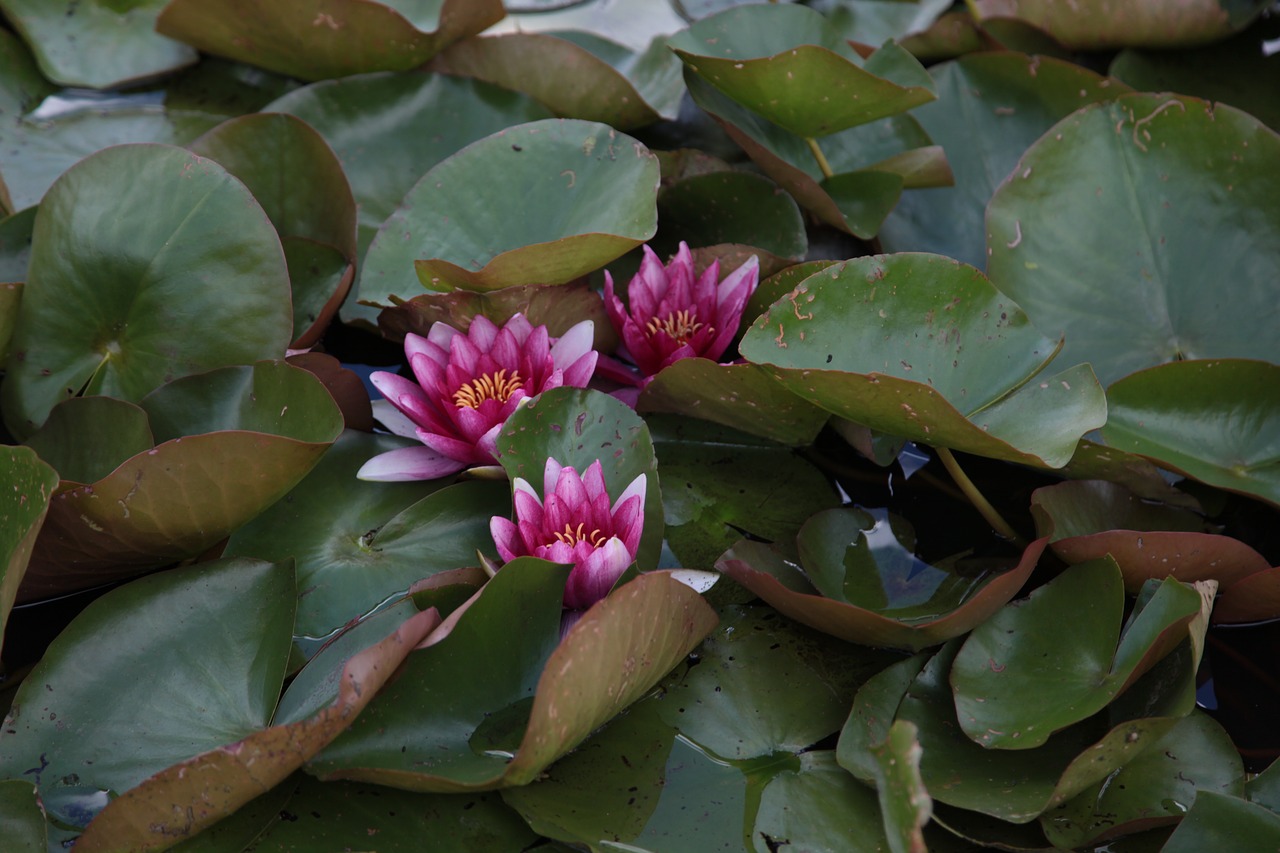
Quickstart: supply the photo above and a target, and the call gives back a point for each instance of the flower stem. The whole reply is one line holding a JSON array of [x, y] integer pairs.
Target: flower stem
[[819, 156], [980, 503]]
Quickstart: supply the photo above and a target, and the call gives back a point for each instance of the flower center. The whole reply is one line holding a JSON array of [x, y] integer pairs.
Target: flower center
[[573, 535], [491, 386], [680, 325]]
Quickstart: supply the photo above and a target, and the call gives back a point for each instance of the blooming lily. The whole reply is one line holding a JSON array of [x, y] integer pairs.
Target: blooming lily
[[675, 314], [575, 524], [467, 385]]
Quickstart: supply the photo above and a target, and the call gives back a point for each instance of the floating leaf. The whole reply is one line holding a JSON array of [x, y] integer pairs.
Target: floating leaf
[[15, 255], [730, 207], [1212, 420], [21, 817], [86, 438], [1221, 822], [1095, 25], [817, 806], [98, 44], [1098, 234], [22, 510], [129, 288], [347, 37], [1058, 657], [592, 192], [990, 108], [904, 802], [923, 347], [789, 65]]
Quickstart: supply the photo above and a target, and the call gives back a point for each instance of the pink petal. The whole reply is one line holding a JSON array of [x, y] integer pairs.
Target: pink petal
[[506, 349], [559, 514], [464, 356], [447, 445], [487, 444], [550, 474], [636, 488], [579, 373], [528, 508], [592, 579], [519, 326], [573, 344], [507, 537], [737, 288], [647, 287], [409, 463], [418, 345], [441, 334], [482, 332], [571, 489], [615, 371]]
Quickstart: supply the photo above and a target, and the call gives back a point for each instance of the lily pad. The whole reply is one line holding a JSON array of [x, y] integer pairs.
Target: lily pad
[[441, 728], [22, 511], [346, 37], [1250, 599], [21, 817], [1059, 657], [730, 207], [904, 801], [888, 610], [576, 427], [788, 64], [817, 806], [129, 289], [232, 442], [1215, 420], [734, 395], [1219, 822], [575, 74], [1095, 25], [189, 796], [1088, 519], [97, 44], [1097, 234], [923, 347], [299, 182], [593, 196], [15, 255], [86, 438], [991, 107], [195, 661]]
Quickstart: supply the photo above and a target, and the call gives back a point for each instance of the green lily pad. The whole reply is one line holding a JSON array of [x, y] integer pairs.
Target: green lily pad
[[789, 65], [576, 427], [1095, 461], [15, 255], [299, 182], [439, 727], [990, 108], [21, 817], [184, 799], [904, 801], [1059, 657], [1097, 234], [233, 441], [346, 37], [734, 395], [462, 238], [151, 674], [99, 44], [357, 543], [441, 114], [86, 438], [923, 347], [878, 605], [1095, 25], [22, 86], [730, 207], [10, 298], [1088, 519], [1215, 420], [1156, 788], [575, 74], [873, 22], [1220, 822], [128, 289], [818, 806], [22, 511], [721, 484]]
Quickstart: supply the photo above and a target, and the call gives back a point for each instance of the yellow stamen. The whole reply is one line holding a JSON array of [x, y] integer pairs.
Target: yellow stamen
[[572, 536], [681, 326], [491, 386]]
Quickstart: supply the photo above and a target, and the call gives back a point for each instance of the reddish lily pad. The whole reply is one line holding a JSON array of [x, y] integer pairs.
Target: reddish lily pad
[[1059, 657], [128, 289], [231, 443], [923, 347], [1093, 518], [1250, 599], [299, 182], [346, 37], [575, 74], [86, 438], [22, 511], [1096, 25], [897, 620], [97, 44], [590, 195], [182, 800], [774, 58], [1097, 233], [539, 695]]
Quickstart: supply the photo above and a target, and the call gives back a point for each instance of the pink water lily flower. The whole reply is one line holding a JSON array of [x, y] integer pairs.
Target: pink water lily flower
[[575, 524], [673, 314], [467, 386]]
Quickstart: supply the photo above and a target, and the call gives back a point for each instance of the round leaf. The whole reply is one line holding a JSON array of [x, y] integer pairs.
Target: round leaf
[[142, 257], [21, 817], [1217, 421], [346, 37], [588, 196], [817, 806], [1099, 234], [1094, 24], [22, 510], [731, 207], [923, 347], [85, 438], [1219, 822], [98, 44]]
